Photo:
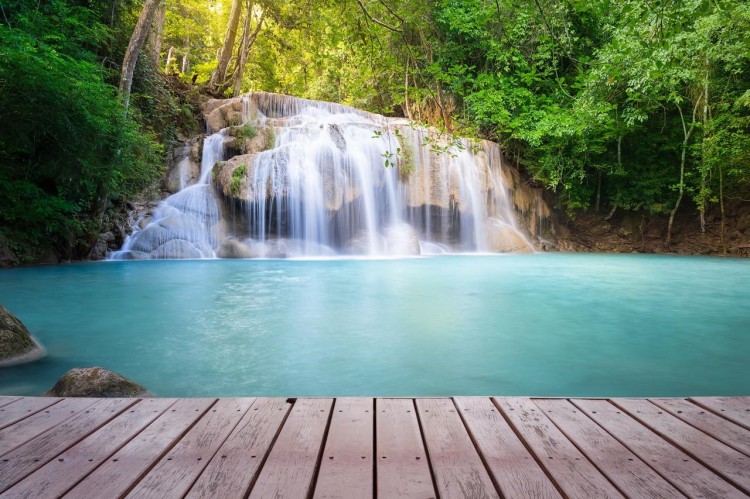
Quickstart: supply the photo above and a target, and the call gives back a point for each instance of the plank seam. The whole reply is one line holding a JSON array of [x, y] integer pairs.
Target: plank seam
[[675, 483], [705, 464], [528, 448], [682, 418], [718, 413], [374, 448], [316, 471], [218, 447], [123, 444], [478, 450], [166, 450], [426, 449], [82, 437], [2, 427], [580, 449], [267, 453]]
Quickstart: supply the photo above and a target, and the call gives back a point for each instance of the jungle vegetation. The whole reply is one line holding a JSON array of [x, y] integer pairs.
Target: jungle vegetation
[[636, 105]]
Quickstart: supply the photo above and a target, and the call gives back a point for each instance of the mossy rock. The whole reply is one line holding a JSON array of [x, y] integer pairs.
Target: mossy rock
[[16, 343], [95, 382]]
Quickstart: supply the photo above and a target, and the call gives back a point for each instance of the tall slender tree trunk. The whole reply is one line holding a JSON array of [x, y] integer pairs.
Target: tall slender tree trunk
[[248, 39], [156, 33], [137, 40], [704, 173], [687, 132], [170, 58], [186, 55], [219, 75]]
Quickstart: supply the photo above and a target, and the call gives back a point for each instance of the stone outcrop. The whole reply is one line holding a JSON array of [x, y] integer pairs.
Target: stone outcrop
[[16, 343], [95, 382]]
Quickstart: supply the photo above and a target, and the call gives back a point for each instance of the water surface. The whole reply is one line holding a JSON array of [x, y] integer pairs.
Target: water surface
[[544, 324]]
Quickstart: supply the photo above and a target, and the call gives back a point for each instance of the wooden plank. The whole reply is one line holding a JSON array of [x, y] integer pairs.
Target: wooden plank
[[29, 427], [347, 466], [63, 472], [681, 470], [736, 409], [457, 467], [731, 434], [124, 468], [291, 465], [34, 454], [234, 467], [516, 472], [5, 400], [620, 465], [732, 465], [567, 466], [403, 470], [175, 473], [23, 408]]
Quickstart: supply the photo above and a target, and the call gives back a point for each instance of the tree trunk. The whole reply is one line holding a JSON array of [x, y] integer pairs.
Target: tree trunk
[[134, 48], [686, 132], [186, 55], [170, 58], [248, 40], [156, 33], [220, 74]]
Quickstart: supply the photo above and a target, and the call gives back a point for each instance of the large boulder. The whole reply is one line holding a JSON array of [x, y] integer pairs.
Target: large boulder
[[503, 238], [16, 343], [401, 240], [95, 382]]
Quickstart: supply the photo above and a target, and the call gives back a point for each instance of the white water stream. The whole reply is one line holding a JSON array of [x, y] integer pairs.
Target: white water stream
[[324, 189]]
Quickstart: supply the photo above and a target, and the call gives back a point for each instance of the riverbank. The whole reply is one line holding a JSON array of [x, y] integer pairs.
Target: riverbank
[[629, 232]]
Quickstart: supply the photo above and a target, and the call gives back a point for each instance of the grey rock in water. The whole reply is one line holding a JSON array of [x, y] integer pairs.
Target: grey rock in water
[[95, 382], [16, 343]]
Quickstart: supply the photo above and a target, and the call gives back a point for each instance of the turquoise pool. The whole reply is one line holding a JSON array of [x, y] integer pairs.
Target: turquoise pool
[[543, 324]]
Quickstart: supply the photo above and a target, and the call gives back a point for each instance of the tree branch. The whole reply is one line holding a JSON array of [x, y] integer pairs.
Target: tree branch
[[376, 21]]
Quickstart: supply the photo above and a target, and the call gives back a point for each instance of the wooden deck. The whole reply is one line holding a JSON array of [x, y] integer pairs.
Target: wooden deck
[[477, 447]]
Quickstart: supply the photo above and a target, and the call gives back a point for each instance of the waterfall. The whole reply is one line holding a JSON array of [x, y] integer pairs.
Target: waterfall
[[186, 224], [331, 180]]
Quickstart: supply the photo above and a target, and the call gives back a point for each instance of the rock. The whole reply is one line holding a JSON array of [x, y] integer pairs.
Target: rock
[[16, 343], [600, 228], [99, 251], [232, 248], [401, 240], [503, 238], [178, 249], [743, 224], [95, 382], [7, 257]]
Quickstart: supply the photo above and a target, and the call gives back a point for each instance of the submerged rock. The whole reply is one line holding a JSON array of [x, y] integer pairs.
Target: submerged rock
[[401, 240], [95, 382], [16, 343]]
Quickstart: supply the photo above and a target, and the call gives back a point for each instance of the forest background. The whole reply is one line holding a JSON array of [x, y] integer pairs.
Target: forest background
[[641, 106]]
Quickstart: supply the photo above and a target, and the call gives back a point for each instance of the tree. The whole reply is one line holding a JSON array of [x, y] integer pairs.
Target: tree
[[140, 32], [219, 75]]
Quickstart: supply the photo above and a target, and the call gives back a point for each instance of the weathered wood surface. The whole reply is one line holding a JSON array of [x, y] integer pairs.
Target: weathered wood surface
[[458, 468], [516, 472], [402, 466], [294, 459], [362, 447], [567, 466]]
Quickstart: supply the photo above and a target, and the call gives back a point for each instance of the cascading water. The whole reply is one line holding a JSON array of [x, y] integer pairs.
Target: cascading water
[[330, 180], [186, 224]]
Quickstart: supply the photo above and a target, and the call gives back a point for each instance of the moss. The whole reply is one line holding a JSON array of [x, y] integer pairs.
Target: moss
[[245, 132], [238, 178], [14, 337], [405, 161], [270, 139], [95, 382]]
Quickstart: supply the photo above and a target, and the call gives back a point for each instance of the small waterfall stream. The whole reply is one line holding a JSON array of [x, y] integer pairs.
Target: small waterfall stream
[[331, 180]]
